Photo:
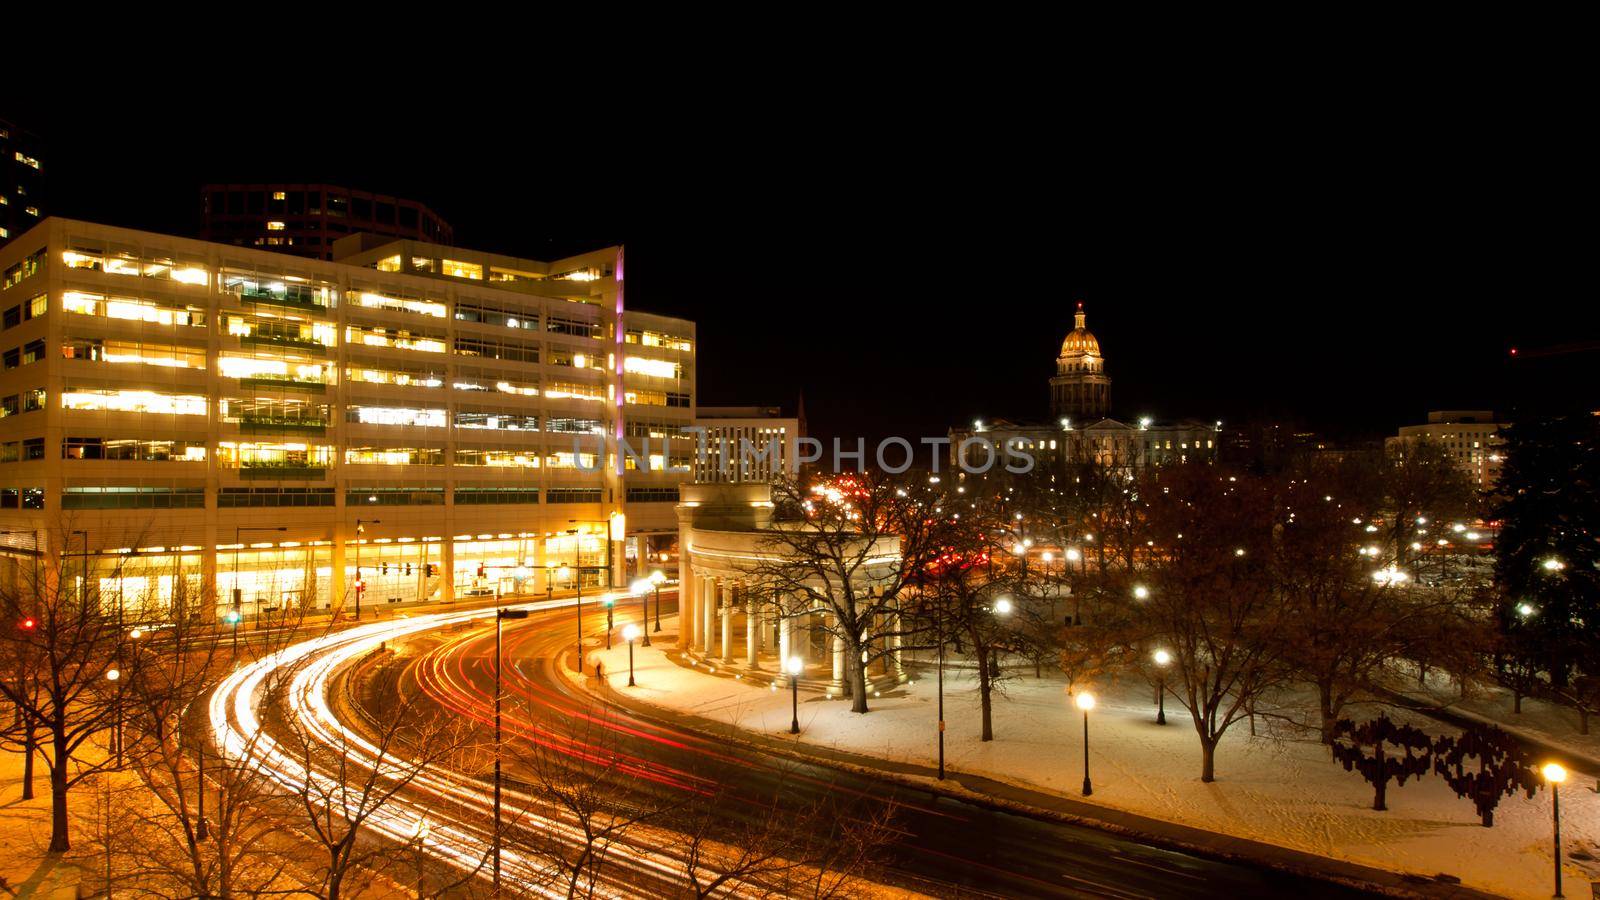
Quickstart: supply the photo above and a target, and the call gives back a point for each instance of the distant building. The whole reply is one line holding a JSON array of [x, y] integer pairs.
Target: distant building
[[1083, 430], [744, 444], [22, 199], [306, 219], [1471, 437], [1269, 445]]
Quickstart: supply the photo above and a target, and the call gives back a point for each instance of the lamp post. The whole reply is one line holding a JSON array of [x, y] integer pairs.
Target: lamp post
[[1085, 701], [549, 580], [629, 632], [794, 665], [1163, 659], [238, 592], [642, 588], [655, 580], [361, 586], [500, 615], [611, 618], [939, 626], [1555, 774], [420, 835]]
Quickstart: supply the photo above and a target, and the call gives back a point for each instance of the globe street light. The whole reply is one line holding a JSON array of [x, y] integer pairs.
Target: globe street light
[[656, 578], [1003, 606], [642, 588], [1163, 659], [419, 834], [1085, 701], [1555, 774], [794, 665], [629, 632], [1140, 592]]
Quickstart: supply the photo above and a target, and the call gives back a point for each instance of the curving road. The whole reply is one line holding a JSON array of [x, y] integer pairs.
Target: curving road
[[947, 847]]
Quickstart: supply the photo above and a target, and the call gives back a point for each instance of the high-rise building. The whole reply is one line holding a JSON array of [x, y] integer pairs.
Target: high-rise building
[[22, 196], [425, 421], [306, 219]]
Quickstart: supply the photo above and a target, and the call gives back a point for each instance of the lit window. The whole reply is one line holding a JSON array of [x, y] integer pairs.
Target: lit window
[[389, 264], [279, 195], [655, 368], [134, 401], [275, 226], [458, 269], [401, 304]]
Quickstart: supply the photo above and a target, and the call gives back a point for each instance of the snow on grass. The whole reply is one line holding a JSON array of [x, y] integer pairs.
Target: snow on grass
[[1284, 791]]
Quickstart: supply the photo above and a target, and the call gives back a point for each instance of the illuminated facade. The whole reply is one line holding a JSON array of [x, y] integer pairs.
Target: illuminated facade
[[1080, 389], [1471, 438], [211, 417], [307, 219]]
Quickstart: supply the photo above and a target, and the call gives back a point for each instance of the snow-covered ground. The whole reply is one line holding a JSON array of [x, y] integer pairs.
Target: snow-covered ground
[[1285, 791]]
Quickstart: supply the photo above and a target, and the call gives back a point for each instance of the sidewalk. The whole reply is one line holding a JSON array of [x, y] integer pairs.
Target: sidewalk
[[976, 788], [25, 867]]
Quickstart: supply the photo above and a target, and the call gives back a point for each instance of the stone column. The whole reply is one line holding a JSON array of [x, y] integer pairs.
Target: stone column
[[752, 639], [688, 584], [727, 624], [785, 642], [709, 622]]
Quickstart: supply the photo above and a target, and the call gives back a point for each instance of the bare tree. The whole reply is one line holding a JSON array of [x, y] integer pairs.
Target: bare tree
[[1207, 593], [848, 547], [208, 825], [59, 647], [352, 783]]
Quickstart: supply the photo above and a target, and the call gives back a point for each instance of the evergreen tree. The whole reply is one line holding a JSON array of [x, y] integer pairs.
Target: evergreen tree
[[1549, 544]]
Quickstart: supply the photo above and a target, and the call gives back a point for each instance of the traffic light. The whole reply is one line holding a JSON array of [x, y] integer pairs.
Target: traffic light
[[610, 601], [408, 569], [432, 570], [28, 624], [483, 571], [233, 617]]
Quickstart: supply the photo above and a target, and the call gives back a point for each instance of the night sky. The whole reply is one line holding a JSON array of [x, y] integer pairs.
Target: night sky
[[909, 273]]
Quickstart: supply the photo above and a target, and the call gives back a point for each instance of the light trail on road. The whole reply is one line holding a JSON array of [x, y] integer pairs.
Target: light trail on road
[[239, 733]]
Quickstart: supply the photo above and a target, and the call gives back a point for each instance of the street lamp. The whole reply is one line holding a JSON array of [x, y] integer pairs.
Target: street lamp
[[794, 665], [642, 588], [238, 592], [629, 632], [1163, 659], [1085, 701], [656, 578], [1003, 606], [419, 833], [1140, 592], [1555, 774], [361, 586], [611, 618], [500, 615]]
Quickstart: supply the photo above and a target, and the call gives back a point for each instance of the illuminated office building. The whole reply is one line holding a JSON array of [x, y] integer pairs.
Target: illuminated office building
[[442, 421]]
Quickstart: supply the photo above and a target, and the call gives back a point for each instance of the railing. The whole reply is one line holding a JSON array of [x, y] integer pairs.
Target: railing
[[282, 471], [257, 424], [283, 384], [263, 340]]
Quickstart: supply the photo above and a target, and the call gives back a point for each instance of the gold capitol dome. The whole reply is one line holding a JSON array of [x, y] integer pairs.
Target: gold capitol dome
[[1080, 341]]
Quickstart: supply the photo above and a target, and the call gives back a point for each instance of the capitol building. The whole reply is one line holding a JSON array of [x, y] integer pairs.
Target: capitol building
[[1083, 429]]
